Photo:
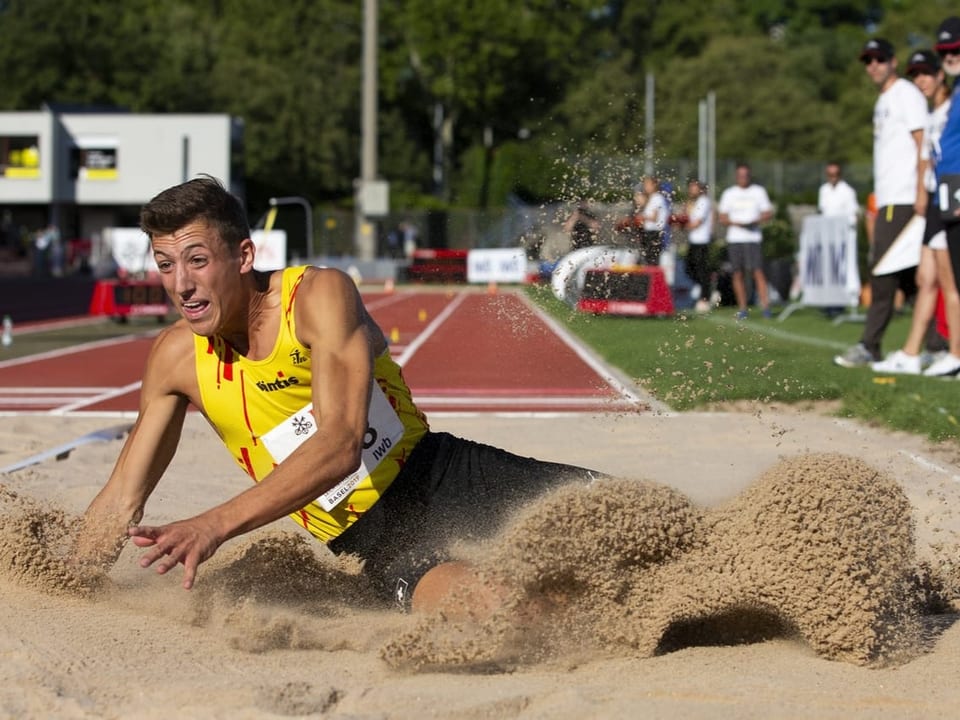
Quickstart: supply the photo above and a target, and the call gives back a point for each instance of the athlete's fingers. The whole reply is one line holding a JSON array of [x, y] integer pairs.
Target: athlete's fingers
[[143, 535]]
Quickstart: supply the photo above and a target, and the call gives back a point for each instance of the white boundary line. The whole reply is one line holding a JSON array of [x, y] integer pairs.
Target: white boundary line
[[75, 349], [764, 328], [64, 409], [929, 464], [599, 366]]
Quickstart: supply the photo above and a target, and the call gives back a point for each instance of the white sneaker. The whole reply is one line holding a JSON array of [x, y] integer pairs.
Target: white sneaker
[[898, 362], [946, 366]]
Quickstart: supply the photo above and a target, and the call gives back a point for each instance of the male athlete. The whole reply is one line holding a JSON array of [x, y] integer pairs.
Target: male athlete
[[297, 380]]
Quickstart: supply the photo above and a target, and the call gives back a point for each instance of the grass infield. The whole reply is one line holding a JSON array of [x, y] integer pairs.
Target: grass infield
[[697, 362]]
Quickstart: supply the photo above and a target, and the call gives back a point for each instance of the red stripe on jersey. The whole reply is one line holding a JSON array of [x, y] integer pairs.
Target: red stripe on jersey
[[243, 403], [228, 362], [247, 463], [293, 294]]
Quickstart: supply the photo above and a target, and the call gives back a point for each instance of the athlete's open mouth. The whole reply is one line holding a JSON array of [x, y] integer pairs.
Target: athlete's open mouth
[[194, 307]]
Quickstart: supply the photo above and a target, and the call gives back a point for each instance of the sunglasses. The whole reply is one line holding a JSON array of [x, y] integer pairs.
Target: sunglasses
[[873, 59]]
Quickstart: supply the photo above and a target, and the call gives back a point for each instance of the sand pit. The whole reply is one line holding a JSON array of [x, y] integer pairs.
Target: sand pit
[[748, 564]]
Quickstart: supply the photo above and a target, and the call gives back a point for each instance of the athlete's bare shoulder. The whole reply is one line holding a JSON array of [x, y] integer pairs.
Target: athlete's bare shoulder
[[329, 305], [170, 365]]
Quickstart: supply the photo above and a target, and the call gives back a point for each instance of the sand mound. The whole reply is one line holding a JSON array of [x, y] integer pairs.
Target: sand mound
[[34, 544], [820, 547]]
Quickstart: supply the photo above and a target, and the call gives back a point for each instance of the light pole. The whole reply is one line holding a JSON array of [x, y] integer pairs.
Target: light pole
[[364, 240], [274, 201]]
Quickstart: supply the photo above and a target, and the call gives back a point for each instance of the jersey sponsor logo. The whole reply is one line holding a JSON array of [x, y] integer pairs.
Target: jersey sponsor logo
[[297, 357], [280, 383]]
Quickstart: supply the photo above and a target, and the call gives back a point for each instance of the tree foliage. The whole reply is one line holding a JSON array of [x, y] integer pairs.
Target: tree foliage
[[525, 90]]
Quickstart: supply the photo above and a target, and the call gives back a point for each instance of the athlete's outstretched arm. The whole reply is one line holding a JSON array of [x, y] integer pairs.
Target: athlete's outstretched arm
[[144, 458], [332, 322]]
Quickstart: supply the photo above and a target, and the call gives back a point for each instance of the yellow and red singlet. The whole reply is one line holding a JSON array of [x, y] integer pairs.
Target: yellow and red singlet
[[245, 399]]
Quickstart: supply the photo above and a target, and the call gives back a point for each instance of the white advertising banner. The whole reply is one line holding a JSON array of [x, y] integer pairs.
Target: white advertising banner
[[506, 265], [130, 249], [829, 276], [271, 249]]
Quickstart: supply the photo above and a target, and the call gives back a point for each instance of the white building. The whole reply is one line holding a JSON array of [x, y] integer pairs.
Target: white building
[[84, 171]]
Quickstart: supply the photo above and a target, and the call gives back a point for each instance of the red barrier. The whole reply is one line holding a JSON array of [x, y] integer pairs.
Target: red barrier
[[122, 298], [641, 291]]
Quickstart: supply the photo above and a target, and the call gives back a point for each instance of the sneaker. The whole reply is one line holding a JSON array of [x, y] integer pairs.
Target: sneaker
[[767, 314], [857, 356], [898, 362], [703, 306], [741, 315], [946, 366]]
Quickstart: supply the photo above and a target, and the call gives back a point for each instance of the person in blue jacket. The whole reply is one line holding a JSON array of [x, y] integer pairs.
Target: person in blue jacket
[[948, 161]]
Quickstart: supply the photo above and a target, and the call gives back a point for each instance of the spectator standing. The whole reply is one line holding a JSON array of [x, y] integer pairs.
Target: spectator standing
[[630, 228], [583, 227], [899, 119], [948, 160], [656, 215], [744, 208], [934, 273], [836, 198], [699, 235]]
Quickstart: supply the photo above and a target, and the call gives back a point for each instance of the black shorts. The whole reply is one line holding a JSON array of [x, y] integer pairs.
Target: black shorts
[[934, 222], [449, 489], [745, 256]]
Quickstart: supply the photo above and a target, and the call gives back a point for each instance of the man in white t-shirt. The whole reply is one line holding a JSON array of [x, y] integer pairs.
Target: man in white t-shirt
[[743, 209], [837, 198], [899, 119], [699, 235]]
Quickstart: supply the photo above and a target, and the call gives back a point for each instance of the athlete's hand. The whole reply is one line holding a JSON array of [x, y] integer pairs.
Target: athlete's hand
[[189, 542]]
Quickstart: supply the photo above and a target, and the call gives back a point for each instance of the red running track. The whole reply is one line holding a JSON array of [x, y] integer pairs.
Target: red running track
[[461, 351]]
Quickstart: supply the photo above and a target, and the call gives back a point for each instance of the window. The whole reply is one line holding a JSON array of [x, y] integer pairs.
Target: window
[[20, 156], [94, 159]]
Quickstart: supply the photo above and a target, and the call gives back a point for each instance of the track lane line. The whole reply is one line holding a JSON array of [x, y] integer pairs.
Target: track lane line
[[429, 330]]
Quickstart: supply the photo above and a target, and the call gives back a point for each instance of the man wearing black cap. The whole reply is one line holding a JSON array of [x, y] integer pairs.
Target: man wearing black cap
[[899, 119]]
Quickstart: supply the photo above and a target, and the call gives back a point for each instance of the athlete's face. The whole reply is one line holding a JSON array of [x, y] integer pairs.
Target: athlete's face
[[203, 277]]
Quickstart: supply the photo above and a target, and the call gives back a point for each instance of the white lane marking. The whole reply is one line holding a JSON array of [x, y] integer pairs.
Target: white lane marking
[[96, 398], [584, 354], [418, 342]]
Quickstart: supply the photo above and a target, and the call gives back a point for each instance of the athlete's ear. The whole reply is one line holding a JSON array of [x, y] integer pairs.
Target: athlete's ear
[[246, 254]]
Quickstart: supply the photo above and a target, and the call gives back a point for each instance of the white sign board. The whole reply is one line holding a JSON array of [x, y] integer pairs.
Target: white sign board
[[507, 265], [375, 198], [130, 249], [829, 276], [271, 248]]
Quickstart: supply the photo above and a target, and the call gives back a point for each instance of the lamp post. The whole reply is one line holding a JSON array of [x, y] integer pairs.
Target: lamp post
[[274, 201]]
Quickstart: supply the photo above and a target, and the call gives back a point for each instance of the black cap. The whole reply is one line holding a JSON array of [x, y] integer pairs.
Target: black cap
[[923, 61], [948, 35], [878, 48]]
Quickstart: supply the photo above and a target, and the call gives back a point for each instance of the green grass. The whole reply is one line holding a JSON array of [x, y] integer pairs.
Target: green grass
[[694, 362]]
